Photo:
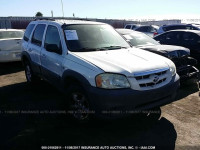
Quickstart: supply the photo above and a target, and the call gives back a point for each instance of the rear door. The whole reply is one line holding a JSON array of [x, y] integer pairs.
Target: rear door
[[169, 38], [51, 55], [27, 35], [36, 46]]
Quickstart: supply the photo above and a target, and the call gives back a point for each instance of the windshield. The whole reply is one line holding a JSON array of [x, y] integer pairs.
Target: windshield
[[11, 34], [93, 37], [139, 39]]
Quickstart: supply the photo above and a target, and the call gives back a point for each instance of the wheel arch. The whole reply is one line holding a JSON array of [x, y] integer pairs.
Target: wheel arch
[[72, 77], [25, 57]]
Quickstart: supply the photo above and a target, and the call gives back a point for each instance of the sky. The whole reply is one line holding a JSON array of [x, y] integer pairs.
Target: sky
[[105, 9]]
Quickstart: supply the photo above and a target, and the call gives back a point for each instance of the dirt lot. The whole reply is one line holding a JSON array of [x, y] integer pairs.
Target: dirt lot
[[21, 125]]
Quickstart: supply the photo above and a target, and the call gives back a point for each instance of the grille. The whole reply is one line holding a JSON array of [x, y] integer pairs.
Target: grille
[[151, 79]]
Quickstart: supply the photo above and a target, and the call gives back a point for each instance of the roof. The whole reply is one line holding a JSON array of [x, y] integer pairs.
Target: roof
[[185, 30], [64, 21], [183, 24]]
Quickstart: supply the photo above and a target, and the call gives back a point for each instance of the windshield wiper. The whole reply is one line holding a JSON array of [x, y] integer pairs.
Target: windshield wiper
[[87, 49], [113, 47]]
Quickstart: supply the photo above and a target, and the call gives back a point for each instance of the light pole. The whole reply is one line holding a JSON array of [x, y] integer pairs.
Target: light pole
[[62, 8]]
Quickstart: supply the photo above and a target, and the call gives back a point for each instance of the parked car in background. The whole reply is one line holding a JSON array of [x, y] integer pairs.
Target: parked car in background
[[96, 68], [166, 28], [186, 38], [179, 55], [150, 30], [132, 26], [10, 44]]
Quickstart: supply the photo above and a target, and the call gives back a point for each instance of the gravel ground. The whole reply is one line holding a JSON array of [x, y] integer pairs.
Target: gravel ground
[[177, 128]]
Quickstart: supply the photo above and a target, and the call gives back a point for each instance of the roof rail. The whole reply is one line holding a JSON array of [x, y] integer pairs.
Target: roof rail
[[44, 18]]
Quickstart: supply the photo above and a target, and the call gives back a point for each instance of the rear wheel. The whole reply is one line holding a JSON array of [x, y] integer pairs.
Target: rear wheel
[[30, 77]]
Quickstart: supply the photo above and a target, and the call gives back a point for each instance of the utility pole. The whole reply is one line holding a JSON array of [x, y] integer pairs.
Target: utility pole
[[62, 8], [52, 13]]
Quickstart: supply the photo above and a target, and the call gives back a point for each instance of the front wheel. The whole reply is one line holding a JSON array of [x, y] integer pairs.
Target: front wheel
[[78, 104]]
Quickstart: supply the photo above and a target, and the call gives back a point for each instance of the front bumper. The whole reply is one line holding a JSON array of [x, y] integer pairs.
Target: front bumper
[[124, 100], [9, 56]]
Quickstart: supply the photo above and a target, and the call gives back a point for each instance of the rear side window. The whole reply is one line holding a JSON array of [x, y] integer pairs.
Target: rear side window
[[28, 32], [38, 34], [128, 26], [190, 38]]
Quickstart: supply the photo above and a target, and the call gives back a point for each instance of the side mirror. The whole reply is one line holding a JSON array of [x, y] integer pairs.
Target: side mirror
[[53, 48]]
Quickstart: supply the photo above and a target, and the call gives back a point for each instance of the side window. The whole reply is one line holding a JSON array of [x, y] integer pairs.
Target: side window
[[28, 31], [38, 34], [128, 26], [190, 38], [172, 38], [152, 29], [52, 40], [133, 27], [142, 29], [182, 53]]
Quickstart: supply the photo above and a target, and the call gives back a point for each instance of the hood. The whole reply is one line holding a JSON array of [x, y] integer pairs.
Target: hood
[[164, 48], [125, 61]]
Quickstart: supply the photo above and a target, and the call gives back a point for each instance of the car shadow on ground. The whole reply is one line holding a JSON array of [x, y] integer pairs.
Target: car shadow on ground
[[31, 131], [45, 132], [10, 67], [187, 88]]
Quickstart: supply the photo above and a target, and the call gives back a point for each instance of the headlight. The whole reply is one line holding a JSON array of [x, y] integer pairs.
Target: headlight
[[172, 68], [111, 81]]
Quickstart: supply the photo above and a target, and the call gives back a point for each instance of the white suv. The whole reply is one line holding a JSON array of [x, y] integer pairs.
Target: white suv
[[96, 68]]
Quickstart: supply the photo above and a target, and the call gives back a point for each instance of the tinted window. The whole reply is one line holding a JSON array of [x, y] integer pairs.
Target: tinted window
[[190, 38], [28, 32], [52, 37], [128, 27], [142, 29], [173, 36], [182, 53], [38, 34], [133, 26]]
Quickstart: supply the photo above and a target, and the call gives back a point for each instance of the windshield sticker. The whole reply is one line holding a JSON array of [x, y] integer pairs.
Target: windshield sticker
[[128, 37], [71, 35]]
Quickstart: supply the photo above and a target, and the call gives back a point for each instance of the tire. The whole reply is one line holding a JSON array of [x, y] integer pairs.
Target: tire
[[30, 77], [78, 104]]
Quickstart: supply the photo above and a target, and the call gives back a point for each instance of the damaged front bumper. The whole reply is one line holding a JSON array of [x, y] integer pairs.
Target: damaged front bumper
[[188, 72]]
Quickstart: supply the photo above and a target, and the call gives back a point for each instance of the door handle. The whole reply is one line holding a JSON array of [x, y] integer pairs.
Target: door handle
[[43, 55], [30, 49]]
